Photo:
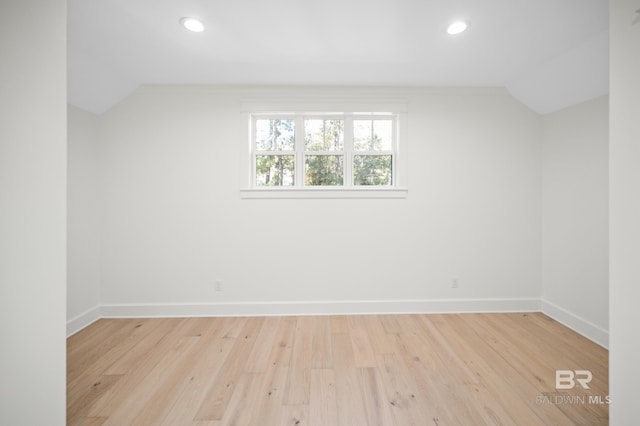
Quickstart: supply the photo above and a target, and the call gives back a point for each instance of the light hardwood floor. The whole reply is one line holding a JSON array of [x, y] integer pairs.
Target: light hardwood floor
[[449, 369]]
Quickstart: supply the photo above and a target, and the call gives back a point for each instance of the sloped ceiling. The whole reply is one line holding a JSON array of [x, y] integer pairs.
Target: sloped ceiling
[[549, 53]]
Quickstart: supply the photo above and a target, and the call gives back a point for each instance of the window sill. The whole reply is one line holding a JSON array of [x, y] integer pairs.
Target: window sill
[[298, 193]]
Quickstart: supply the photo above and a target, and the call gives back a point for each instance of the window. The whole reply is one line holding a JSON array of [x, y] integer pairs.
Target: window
[[274, 144], [373, 148], [302, 147], [324, 151]]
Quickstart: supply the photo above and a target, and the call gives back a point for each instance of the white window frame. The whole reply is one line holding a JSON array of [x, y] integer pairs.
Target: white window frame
[[253, 110], [303, 153], [255, 153]]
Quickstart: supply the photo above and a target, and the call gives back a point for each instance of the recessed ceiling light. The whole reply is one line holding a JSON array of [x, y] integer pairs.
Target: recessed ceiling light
[[192, 24], [457, 27]]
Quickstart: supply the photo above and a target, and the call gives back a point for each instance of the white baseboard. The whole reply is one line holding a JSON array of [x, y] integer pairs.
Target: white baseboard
[[83, 320], [321, 308], [341, 307], [576, 323]]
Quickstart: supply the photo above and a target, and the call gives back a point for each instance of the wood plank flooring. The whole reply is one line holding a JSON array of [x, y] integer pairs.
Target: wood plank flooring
[[445, 369]]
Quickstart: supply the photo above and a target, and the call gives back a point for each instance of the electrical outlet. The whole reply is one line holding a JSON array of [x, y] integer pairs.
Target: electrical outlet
[[454, 283], [218, 285]]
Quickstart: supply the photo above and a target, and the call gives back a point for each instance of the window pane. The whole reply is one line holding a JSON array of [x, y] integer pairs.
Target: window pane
[[383, 135], [275, 135], [326, 170], [324, 135], [372, 169], [275, 170], [361, 134], [373, 135]]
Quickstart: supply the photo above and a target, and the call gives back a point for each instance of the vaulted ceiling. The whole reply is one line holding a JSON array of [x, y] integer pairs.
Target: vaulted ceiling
[[548, 53]]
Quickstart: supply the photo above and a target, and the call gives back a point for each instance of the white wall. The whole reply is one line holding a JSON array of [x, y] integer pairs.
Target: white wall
[[32, 211], [174, 221], [624, 154], [83, 219], [575, 281]]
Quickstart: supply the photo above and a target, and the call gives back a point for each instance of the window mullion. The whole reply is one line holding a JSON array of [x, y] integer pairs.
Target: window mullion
[[299, 146], [254, 153], [348, 151]]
